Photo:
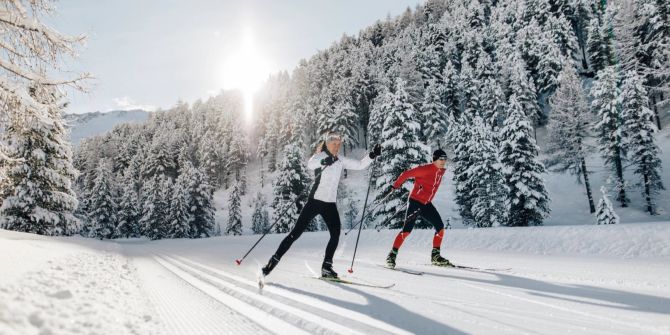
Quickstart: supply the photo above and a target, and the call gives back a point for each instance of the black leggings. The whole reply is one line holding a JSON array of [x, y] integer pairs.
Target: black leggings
[[427, 212], [313, 207]]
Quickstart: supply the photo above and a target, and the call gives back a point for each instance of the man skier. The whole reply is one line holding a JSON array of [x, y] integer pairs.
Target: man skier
[[427, 180], [322, 199]]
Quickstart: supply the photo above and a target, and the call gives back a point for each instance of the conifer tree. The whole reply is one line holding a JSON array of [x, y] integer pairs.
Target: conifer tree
[[485, 178], [523, 172], [260, 222], [605, 213], [179, 216], [434, 114], [568, 130], [290, 187], [155, 203], [606, 107], [103, 205], [234, 215], [38, 195], [401, 150], [128, 216], [638, 125]]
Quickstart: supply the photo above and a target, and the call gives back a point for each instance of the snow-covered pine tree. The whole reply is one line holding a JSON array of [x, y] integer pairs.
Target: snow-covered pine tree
[[260, 220], [342, 118], [103, 207], [36, 169], [401, 150], [234, 214], [606, 106], [434, 115], [568, 128], [605, 213], [238, 158], [155, 203], [450, 100], [201, 201], [160, 160], [490, 204], [209, 155], [290, 187], [128, 216], [523, 172], [460, 134], [638, 125], [38, 195], [179, 216], [381, 107], [469, 91], [521, 85], [493, 102]]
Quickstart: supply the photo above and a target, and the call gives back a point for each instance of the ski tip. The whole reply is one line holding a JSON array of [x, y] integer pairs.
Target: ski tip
[[238, 261]]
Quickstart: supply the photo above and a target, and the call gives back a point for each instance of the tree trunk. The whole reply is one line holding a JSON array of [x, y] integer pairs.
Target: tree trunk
[[647, 193], [621, 197], [261, 172], [655, 109], [592, 206]]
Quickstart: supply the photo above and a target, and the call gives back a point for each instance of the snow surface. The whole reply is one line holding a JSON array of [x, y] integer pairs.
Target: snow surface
[[581, 279]]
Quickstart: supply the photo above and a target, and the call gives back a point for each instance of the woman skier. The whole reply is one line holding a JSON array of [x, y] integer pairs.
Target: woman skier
[[322, 197]]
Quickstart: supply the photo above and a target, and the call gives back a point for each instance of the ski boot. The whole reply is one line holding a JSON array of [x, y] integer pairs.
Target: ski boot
[[390, 259], [328, 272], [438, 260], [271, 265]]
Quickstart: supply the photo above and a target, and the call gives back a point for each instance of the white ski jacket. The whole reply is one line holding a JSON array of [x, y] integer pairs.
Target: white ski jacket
[[325, 185]]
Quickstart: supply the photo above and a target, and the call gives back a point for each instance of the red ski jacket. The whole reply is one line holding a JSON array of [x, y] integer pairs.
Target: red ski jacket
[[427, 180]]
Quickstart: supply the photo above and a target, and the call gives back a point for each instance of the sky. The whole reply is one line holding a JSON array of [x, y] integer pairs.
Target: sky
[[152, 53]]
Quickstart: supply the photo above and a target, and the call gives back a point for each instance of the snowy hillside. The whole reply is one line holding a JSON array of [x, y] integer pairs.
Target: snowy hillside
[[549, 280], [90, 124]]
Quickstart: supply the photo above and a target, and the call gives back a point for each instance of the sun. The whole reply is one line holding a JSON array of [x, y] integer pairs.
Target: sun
[[245, 70]]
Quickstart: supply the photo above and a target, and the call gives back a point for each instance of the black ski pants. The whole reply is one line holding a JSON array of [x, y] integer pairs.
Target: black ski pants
[[313, 207], [427, 212]]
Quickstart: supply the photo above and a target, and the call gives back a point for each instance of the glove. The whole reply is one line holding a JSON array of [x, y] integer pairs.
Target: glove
[[376, 151], [328, 161]]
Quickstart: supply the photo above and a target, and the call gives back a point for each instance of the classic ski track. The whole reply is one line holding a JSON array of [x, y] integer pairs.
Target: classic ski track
[[271, 322], [178, 310], [368, 324], [482, 287], [300, 310]]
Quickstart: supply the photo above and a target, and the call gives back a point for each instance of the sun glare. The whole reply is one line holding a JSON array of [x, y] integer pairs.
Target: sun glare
[[245, 70]]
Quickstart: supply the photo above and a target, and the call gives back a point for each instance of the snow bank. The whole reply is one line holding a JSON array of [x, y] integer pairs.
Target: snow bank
[[68, 286]]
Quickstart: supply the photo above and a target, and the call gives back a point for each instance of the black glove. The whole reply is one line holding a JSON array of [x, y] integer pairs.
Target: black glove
[[328, 160], [376, 151]]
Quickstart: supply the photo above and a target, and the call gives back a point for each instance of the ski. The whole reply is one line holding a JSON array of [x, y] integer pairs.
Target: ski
[[348, 282], [408, 271]]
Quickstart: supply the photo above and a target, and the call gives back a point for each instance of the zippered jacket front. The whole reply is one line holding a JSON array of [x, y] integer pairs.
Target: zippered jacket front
[[326, 183], [427, 179]]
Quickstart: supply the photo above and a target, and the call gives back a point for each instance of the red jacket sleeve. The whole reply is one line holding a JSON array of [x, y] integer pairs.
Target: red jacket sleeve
[[411, 173]]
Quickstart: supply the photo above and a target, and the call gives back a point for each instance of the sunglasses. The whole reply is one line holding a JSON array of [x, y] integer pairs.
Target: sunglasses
[[333, 138], [442, 159]]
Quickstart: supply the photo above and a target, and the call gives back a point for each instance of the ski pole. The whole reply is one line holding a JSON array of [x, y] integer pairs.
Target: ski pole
[[239, 261], [360, 226], [371, 210]]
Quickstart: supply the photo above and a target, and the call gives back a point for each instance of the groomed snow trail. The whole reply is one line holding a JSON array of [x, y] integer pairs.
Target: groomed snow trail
[[75, 285]]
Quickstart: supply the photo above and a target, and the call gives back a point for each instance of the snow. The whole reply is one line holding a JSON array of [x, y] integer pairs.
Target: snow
[[581, 279]]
